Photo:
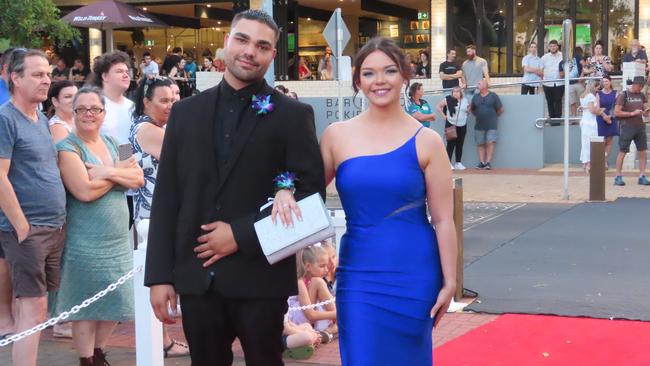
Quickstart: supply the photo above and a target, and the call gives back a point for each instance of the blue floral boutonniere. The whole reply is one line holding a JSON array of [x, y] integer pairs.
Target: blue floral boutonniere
[[262, 104]]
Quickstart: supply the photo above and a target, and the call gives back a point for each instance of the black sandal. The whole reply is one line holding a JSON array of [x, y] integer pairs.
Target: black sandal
[[171, 345]]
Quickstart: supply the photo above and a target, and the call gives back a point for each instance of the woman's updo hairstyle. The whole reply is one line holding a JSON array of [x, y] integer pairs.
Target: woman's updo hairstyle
[[390, 49]]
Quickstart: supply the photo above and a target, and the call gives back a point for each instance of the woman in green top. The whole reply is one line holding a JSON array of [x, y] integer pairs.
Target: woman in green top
[[97, 250], [418, 107]]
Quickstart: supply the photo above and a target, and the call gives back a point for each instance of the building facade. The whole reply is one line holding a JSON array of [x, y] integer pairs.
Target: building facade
[[501, 30]]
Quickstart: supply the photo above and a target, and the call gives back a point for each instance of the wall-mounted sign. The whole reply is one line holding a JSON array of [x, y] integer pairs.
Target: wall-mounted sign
[[423, 15], [149, 43]]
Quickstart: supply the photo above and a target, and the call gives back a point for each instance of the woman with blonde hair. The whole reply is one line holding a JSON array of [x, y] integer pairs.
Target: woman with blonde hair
[[588, 123], [455, 109]]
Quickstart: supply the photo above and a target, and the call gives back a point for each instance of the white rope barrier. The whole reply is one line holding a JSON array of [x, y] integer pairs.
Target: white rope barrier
[[86, 303]]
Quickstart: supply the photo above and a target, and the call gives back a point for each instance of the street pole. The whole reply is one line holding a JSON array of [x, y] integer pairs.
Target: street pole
[[567, 43], [339, 53], [269, 76]]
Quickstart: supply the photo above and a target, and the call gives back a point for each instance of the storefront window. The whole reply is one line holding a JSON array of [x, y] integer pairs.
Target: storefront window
[[589, 24], [406, 24], [495, 49], [620, 29], [524, 30], [463, 25], [555, 11]]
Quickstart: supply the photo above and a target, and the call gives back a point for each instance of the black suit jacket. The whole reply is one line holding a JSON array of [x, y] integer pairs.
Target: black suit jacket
[[191, 190]]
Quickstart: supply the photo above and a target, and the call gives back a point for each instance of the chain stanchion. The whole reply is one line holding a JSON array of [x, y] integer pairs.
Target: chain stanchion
[[75, 309]]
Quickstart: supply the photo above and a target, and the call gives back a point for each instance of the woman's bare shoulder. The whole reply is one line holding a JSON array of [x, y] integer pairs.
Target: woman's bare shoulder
[[338, 129]]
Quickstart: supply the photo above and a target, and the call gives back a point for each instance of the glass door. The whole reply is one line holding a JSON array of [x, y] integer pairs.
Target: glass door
[[555, 11], [588, 24]]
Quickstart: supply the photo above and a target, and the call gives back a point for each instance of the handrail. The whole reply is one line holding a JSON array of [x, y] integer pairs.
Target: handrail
[[540, 125], [515, 83]]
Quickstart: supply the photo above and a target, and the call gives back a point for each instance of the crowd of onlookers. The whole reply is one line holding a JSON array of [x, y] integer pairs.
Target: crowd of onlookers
[[604, 111], [78, 165]]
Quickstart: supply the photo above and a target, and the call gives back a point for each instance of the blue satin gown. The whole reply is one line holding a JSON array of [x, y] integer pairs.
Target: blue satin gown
[[389, 272]]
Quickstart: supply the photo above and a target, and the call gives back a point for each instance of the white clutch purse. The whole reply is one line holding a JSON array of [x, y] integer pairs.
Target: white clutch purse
[[279, 242]]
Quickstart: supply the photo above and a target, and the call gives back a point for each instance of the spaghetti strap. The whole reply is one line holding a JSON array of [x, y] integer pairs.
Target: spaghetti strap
[[418, 131]]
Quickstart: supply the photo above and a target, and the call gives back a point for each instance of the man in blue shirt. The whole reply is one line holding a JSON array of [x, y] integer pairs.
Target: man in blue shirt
[[533, 70], [32, 203], [576, 87], [4, 90]]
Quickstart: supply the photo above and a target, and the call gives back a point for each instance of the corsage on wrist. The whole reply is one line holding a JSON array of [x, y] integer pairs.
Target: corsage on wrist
[[286, 180]]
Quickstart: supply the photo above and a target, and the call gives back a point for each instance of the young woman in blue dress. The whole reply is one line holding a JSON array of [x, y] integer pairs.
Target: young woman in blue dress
[[396, 274]]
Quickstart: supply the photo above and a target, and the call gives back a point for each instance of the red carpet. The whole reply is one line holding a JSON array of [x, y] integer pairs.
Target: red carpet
[[529, 340]]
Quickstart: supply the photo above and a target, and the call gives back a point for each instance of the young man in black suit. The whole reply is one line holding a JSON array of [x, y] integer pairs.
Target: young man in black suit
[[220, 156]]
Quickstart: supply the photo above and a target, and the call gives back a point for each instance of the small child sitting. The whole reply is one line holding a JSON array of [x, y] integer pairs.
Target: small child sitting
[[299, 341], [312, 267], [333, 262]]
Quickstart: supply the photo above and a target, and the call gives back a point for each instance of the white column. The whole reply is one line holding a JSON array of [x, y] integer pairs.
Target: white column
[[94, 44], [148, 329], [644, 22], [267, 6], [438, 21]]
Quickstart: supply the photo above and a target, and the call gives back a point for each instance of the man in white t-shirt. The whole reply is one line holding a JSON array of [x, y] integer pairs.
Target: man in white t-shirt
[[111, 72], [553, 90]]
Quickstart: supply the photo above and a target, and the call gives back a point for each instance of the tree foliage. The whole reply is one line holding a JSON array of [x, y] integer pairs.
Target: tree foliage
[[28, 22]]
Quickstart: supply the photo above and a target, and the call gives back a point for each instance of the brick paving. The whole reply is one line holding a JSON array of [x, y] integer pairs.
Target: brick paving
[[121, 347]]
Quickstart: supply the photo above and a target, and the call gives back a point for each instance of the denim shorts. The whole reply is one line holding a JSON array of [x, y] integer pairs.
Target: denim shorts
[[483, 136]]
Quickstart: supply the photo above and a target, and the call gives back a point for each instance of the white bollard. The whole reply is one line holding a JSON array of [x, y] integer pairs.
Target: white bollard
[[148, 329]]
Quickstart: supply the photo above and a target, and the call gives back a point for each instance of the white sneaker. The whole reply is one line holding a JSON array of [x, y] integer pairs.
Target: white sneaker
[[459, 166], [452, 167]]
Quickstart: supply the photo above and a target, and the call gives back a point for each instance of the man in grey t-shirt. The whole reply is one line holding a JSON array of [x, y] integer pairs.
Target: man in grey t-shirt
[[474, 69], [487, 107], [32, 200]]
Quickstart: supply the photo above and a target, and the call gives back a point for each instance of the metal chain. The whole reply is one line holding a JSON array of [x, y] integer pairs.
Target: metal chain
[[311, 306], [75, 309], [84, 304]]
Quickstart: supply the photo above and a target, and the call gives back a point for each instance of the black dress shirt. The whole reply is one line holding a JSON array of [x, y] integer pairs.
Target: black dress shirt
[[230, 107]]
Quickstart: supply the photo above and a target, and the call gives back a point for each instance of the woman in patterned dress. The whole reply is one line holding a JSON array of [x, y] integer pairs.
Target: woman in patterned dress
[[97, 250], [598, 65]]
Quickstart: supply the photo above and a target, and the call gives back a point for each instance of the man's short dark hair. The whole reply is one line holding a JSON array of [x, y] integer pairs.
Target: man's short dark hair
[[105, 62], [451, 50], [553, 41], [4, 59], [16, 63], [146, 53], [258, 16], [470, 46], [177, 50]]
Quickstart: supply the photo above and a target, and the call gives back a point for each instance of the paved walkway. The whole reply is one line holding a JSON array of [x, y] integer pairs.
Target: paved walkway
[[486, 194], [121, 351], [534, 186]]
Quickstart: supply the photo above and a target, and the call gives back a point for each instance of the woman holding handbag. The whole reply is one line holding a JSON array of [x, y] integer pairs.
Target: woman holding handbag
[[455, 108], [418, 107]]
